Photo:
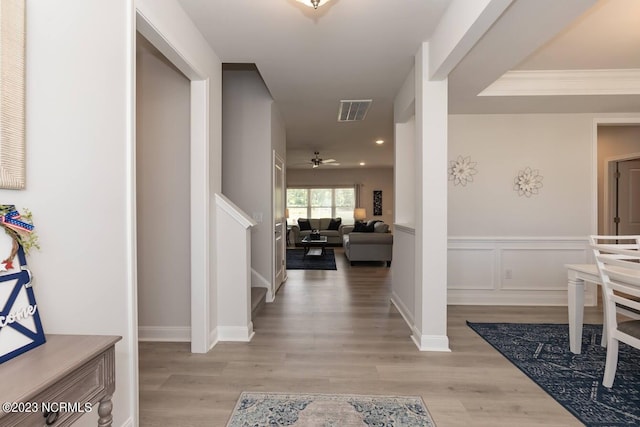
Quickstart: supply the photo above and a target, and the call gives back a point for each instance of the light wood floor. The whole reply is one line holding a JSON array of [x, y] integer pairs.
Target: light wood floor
[[336, 332]]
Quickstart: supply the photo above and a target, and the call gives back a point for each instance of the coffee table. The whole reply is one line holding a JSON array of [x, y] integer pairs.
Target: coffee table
[[314, 247]]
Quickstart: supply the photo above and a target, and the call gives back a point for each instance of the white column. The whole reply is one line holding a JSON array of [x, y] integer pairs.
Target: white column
[[430, 329]]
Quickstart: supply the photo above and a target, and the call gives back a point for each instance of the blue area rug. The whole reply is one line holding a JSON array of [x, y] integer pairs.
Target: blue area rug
[[575, 380], [297, 261], [329, 410]]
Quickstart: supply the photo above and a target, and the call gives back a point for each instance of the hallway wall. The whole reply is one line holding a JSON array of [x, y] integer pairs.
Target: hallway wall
[[163, 205]]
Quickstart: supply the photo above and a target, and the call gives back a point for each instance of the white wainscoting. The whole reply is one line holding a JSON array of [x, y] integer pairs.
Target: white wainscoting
[[164, 333], [514, 270], [403, 271]]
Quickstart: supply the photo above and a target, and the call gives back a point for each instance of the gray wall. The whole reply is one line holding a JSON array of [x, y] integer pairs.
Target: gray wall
[[163, 97]]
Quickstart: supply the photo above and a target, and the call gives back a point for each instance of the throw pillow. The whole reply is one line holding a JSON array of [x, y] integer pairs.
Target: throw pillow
[[304, 224], [372, 222], [360, 227], [363, 227], [380, 227], [334, 224]]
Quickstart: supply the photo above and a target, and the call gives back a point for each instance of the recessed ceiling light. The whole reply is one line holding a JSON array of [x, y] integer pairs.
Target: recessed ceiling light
[[380, 142], [361, 163]]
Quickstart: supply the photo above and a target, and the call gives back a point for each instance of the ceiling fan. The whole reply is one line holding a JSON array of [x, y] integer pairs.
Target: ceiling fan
[[317, 161]]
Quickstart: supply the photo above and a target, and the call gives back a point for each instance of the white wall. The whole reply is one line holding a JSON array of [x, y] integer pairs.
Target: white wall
[[510, 249], [278, 132], [405, 179], [79, 74], [369, 178], [163, 206], [613, 141], [249, 137], [403, 284], [559, 146], [403, 268]]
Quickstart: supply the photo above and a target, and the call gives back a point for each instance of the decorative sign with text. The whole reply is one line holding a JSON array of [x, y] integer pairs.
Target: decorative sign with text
[[20, 327]]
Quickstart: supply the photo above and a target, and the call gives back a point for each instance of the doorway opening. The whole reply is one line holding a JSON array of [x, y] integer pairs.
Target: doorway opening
[[198, 212], [162, 197], [618, 154]]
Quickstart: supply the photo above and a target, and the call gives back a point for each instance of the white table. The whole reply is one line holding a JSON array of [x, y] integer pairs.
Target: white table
[[578, 274]]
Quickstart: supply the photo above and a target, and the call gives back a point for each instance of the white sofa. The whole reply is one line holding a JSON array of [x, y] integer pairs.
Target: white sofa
[[368, 246], [334, 237]]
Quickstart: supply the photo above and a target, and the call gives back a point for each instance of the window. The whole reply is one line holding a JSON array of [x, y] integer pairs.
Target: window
[[321, 203]]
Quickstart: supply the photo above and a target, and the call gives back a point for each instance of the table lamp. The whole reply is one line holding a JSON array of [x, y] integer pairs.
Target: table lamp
[[359, 214]]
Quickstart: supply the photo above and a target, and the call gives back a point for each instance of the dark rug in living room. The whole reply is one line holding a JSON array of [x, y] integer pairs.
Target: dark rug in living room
[[297, 261], [541, 351]]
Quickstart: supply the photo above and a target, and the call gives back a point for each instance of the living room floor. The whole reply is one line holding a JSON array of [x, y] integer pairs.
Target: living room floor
[[336, 332]]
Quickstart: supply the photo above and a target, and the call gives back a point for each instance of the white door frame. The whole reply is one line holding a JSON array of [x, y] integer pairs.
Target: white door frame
[[607, 178], [275, 285], [608, 197], [199, 179]]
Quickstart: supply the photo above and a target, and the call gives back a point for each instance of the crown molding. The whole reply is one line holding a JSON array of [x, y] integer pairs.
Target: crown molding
[[565, 82]]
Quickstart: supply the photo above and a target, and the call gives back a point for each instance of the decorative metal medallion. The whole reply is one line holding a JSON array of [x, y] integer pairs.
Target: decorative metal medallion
[[528, 182], [462, 170]]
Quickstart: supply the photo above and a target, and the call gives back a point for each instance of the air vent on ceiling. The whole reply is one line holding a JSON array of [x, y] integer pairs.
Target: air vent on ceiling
[[353, 110]]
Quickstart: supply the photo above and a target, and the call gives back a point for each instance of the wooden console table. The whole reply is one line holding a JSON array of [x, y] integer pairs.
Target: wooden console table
[[59, 381]]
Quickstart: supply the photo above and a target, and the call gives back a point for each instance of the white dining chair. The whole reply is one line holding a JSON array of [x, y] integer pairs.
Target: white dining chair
[[619, 270], [631, 242]]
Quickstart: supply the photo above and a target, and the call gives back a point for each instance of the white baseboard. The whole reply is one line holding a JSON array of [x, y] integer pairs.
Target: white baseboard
[[236, 333], [430, 342], [259, 281], [164, 333], [508, 297], [213, 338], [402, 308]]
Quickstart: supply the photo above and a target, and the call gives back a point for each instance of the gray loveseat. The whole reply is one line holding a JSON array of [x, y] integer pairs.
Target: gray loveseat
[[368, 246], [334, 237]]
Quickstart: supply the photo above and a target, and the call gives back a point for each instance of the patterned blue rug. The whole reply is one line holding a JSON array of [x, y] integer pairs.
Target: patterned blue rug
[[297, 261], [575, 380], [329, 410]]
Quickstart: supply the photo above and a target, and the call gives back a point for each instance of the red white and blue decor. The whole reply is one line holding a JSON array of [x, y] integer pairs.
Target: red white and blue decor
[[20, 326]]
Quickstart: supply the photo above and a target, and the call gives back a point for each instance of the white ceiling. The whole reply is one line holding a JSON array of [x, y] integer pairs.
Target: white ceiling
[[363, 49]]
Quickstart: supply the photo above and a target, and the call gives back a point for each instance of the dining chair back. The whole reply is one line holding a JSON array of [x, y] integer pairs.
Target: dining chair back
[[619, 268], [603, 243]]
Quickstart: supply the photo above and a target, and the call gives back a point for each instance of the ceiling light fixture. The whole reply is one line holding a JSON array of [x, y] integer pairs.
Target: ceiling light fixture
[[362, 163], [379, 142], [313, 3]]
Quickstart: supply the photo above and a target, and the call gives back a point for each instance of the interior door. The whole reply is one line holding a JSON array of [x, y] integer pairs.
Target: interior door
[[628, 197], [280, 228]]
